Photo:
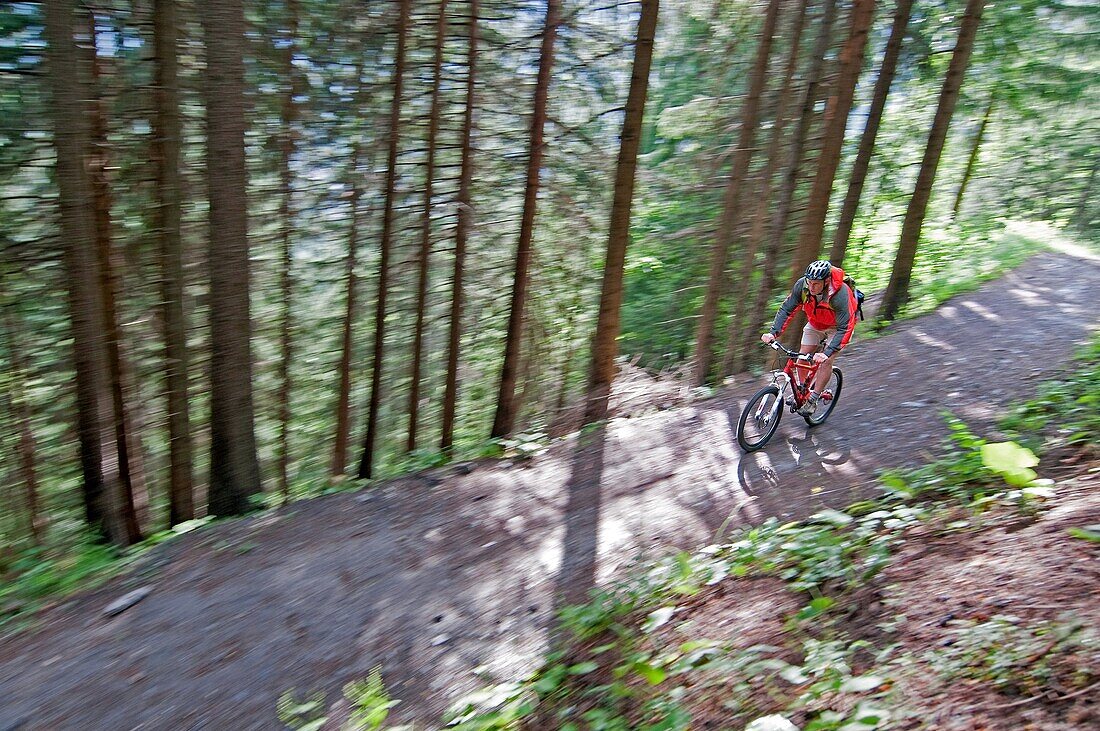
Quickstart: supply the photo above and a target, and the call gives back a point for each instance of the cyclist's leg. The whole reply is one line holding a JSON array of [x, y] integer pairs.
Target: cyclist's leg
[[811, 339], [825, 371]]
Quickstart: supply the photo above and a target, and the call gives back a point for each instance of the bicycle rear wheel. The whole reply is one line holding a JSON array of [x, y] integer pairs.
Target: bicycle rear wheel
[[759, 419], [825, 407]]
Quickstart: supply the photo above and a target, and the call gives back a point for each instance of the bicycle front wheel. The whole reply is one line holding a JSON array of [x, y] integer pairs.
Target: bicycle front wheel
[[760, 418]]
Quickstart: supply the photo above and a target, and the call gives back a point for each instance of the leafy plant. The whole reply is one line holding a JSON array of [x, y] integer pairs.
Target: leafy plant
[[1011, 461], [302, 715], [371, 703]]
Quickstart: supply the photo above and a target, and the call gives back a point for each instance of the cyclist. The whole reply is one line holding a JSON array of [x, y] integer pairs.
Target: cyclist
[[830, 307]]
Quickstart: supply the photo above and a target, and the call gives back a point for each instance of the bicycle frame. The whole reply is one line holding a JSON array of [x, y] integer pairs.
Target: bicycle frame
[[798, 373]]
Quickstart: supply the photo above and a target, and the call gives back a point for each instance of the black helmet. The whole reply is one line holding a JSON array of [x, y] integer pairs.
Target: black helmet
[[820, 269]]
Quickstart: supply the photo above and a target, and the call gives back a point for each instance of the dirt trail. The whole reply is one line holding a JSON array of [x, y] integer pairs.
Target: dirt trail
[[432, 579]]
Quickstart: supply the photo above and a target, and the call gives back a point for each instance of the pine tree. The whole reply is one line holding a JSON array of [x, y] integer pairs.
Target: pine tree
[[897, 290], [234, 465], [505, 416], [366, 464], [605, 345]]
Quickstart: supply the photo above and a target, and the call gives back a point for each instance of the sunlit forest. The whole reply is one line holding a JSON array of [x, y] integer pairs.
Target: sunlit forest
[[256, 251], [387, 187]]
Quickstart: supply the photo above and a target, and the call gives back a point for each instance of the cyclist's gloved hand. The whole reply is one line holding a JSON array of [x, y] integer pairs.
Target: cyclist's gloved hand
[[820, 357], [767, 338]]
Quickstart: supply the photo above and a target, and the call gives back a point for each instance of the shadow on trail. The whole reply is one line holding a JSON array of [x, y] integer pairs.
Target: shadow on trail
[[817, 455], [580, 545]]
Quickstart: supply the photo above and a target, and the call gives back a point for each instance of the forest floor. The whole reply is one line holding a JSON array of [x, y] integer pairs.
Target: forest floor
[[450, 578]]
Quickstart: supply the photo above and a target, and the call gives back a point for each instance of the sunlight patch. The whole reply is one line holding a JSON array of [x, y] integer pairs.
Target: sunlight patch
[[1051, 237]]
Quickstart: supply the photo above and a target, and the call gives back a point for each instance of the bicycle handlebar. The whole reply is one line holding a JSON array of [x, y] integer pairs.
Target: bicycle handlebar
[[776, 345]]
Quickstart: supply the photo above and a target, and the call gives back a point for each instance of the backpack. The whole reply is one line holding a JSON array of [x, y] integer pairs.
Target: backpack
[[859, 295]]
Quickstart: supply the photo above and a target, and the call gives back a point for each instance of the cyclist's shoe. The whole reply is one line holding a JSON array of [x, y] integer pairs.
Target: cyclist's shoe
[[827, 394], [810, 406]]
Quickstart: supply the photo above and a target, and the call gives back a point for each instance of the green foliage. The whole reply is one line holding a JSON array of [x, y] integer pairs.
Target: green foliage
[[1065, 411], [830, 548], [1090, 533], [974, 473], [1011, 461], [370, 707], [40, 575], [496, 708], [371, 703], [302, 715]]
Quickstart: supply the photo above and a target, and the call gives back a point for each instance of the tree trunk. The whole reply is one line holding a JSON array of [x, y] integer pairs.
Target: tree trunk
[[781, 215], [836, 121], [605, 346], [98, 457], [731, 203], [735, 352], [426, 228], [166, 154], [366, 464], [450, 397], [234, 466], [20, 410], [870, 131], [506, 407], [972, 161], [135, 497], [897, 291], [286, 217], [343, 398]]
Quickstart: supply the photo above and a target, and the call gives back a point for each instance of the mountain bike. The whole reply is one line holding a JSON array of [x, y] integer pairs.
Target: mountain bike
[[790, 387]]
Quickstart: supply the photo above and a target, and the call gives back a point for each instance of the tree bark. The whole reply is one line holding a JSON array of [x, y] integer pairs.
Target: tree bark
[[465, 211], [234, 465], [505, 416], [782, 212], [972, 160], [135, 497], [836, 121], [870, 131], [286, 274], [735, 349], [897, 291], [166, 154], [607, 326], [102, 488], [426, 228], [731, 202], [366, 464], [343, 398]]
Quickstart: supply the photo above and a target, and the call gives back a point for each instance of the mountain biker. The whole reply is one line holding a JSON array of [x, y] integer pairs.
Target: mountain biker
[[830, 307]]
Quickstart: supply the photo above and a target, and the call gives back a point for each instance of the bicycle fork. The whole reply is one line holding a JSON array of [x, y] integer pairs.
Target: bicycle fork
[[782, 381]]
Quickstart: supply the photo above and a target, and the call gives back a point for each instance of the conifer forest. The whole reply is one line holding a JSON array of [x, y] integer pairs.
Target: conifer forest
[[254, 252]]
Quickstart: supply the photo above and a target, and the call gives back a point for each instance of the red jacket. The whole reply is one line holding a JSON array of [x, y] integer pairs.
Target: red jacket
[[836, 310]]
